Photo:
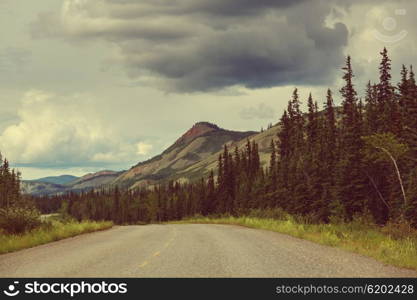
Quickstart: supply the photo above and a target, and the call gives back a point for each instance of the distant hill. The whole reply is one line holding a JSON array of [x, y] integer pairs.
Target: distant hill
[[38, 188], [94, 180], [84, 183], [62, 179]]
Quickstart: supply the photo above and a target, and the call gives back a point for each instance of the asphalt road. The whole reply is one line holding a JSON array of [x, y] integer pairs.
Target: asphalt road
[[193, 250]]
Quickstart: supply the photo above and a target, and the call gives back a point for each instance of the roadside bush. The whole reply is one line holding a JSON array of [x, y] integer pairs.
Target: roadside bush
[[270, 213], [399, 229], [17, 220], [49, 231]]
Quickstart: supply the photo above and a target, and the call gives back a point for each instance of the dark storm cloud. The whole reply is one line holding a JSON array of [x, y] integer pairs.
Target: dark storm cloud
[[203, 45], [201, 7]]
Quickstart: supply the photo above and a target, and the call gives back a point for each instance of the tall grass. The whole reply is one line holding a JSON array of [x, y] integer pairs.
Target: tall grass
[[48, 232], [394, 244]]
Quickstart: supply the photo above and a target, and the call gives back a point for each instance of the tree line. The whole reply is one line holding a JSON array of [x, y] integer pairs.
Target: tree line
[[9, 185], [335, 162], [17, 212]]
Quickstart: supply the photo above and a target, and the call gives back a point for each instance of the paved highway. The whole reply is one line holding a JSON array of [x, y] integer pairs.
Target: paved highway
[[190, 250]]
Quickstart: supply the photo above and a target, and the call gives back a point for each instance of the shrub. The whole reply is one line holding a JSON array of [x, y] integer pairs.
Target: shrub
[[17, 220], [399, 229], [269, 213], [49, 231]]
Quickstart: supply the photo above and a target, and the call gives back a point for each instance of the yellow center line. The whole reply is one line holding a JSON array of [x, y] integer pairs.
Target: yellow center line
[[143, 264], [157, 253]]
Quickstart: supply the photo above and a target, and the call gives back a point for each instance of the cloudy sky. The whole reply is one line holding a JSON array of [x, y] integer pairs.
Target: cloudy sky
[[87, 85]]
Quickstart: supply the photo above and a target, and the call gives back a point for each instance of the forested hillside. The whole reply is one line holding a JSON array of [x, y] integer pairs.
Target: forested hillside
[[362, 162]]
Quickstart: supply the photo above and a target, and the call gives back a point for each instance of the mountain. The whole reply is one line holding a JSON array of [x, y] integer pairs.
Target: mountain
[[197, 144], [190, 157], [84, 183], [203, 167], [94, 180], [38, 188], [209, 162], [62, 179]]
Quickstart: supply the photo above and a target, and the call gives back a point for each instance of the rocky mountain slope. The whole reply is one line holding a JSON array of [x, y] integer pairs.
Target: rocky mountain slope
[[203, 167], [197, 144]]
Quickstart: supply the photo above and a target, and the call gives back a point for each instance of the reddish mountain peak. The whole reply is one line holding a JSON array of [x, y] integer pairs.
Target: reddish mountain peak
[[197, 130], [206, 125]]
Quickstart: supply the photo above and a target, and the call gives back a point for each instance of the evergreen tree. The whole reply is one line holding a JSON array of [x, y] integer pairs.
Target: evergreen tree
[[371, 108], [273, 168], [409, 96], [388, 109], [350, 178], [329, 140], [320, 165], [312, 124], [327, 159], [210, 203]]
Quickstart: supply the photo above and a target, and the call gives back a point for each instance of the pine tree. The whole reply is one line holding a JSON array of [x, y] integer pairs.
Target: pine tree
[[403, 86], [371, 109], [248, 160], [411, 209], [210, 203], [327, 159], [296, 124], [273, 168], [349, 104], [388, 109], [310, 167], [409, 95], [350, 178], [284, 136], [284, 151], [385, 89], [330, 131], [255, 160], [312, 124]]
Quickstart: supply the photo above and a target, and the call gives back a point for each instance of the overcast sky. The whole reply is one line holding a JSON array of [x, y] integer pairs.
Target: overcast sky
[[87, 85]]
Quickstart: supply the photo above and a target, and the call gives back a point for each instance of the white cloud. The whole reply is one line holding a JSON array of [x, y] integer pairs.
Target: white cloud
[[30, 173], [262, 111], [65, 131], [371, 29], [143, 148]]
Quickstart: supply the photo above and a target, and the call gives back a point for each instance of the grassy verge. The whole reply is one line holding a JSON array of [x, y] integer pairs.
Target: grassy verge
[[53, 231], [389, 245]]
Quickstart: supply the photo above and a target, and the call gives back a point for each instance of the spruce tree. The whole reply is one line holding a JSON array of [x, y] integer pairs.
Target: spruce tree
[[371, 109], [350, 178], [327, 159], [273, 168], [312, 124], [388, 108]]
